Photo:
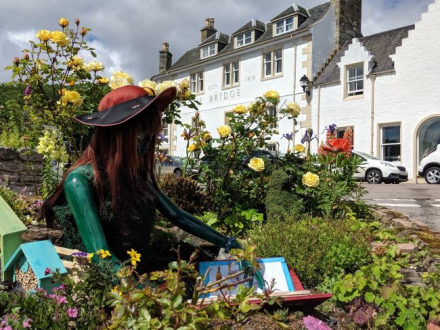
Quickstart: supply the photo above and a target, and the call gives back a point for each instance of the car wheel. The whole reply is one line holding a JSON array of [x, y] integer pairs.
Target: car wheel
[[178, 172], [373, 177], [432, 175]]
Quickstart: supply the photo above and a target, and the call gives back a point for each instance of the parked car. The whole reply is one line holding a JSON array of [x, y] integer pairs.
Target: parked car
[[429, 167], [374, 170], [173, 164]]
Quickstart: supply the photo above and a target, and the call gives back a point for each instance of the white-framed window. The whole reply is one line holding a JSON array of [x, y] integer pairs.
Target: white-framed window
[[284, 26], [272, 147], [244, 39], [208, 50], [390, 147], [355, 80], [165, 129], [196, 82], [231, 74], [340, 131], [273, 63]]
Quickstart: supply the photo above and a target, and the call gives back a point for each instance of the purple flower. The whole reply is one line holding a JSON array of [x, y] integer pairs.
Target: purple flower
[[331, 128], [80, 254], [288, 136], [162, 138], [312, 323], [27, 323], [27, 91], [72, 312], [61, 299], [47, 271], [308, 136]]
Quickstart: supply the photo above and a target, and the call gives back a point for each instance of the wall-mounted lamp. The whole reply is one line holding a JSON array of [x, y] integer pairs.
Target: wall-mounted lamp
[[305, 82]]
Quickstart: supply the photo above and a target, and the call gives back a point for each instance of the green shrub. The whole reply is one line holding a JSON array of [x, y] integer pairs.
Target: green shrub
[[26, 208], [315, 248]]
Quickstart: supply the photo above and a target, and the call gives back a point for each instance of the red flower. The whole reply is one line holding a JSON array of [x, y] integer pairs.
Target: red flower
[[338, 145]]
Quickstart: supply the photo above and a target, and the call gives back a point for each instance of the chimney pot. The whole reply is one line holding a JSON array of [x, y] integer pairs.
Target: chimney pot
[[166, 46]]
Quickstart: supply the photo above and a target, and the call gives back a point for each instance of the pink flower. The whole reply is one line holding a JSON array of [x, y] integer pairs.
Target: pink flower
[[47, 271], [72, 312], [27, 323], [61, 299], [7, 328]]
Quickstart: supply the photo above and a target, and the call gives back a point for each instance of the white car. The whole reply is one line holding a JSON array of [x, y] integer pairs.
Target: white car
[[429, 167], [374, 170]]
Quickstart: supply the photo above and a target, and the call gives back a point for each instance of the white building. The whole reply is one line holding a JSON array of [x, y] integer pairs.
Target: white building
[[386, 87], [225, 71]]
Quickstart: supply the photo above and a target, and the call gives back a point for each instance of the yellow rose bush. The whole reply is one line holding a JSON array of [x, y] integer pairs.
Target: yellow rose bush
[[224, 131], [149, 86], [119, 79], [240, 109], [61, 88]]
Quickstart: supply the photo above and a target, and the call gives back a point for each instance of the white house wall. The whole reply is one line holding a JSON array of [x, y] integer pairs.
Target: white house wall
[[215, 101], [407, 96]]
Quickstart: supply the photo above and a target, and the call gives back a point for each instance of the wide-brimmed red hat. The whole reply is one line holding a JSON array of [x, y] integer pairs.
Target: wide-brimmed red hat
[[124, 103]]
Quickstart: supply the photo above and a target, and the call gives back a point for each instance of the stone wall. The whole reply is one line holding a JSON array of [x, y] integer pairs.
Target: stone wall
[[20, 169]]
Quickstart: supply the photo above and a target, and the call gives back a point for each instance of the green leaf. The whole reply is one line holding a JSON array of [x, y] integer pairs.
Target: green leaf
[[93, 53], [369, 297]]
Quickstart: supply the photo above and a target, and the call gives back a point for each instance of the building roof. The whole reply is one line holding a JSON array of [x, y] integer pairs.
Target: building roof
[[252, 24], [294, 8], [218, 36], [192, 56], [380, 45]]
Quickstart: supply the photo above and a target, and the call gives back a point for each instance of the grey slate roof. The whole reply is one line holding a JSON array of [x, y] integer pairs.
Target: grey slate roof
[[249, 25], [192, 56], [291, 10], [218, 36], [380, 45]]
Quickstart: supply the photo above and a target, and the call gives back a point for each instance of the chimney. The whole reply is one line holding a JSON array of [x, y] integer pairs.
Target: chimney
[[165, 57], [348, 19], [209, 29]]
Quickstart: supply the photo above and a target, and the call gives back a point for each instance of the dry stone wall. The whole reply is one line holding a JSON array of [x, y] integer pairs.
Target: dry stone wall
[[20, 169]]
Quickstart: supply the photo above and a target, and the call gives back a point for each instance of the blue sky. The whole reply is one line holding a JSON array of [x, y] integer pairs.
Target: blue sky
[[128, 35]]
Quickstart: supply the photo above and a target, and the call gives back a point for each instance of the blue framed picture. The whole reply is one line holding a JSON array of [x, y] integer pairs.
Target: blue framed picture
[[272, 269]]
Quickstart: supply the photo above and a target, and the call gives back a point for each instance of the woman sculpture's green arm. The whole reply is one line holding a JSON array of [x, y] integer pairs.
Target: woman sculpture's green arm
[[79, 195]]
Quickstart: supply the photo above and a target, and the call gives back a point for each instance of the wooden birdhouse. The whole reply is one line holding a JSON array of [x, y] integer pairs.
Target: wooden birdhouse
[[11, 228], [29, 263]]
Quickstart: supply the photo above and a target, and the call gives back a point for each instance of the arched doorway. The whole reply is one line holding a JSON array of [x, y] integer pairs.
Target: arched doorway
[[428, 137]]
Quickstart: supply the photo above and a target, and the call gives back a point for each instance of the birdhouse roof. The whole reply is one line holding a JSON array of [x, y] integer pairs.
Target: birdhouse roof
[[40, 255], [9, 222]]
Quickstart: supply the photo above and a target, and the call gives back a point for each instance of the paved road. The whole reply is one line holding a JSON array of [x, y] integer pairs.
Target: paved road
[[418, 201]]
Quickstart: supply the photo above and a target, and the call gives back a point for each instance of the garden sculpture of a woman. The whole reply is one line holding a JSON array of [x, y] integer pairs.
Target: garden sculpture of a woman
[[111, 190]]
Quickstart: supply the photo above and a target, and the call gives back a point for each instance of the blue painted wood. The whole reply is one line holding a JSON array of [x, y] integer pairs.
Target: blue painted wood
[[23, 264], [40, 255]]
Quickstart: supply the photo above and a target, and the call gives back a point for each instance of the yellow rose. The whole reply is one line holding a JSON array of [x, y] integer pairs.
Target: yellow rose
[[192, 148], [294, 108], [71, 97], [310, 180], [164, 85], [299, 148], [224, 131], [59, 38], [63, 22], [240, 109], [272, 95], [77, 61], [146, 84], [120, 79], [43, 35], [187, 94], [103, 80], [206, 137], [184, 84], [257, 164], [96, 66]]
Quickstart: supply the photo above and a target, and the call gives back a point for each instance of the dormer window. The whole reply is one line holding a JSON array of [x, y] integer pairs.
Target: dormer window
[[208, 51], [284, 25], [244, 39]]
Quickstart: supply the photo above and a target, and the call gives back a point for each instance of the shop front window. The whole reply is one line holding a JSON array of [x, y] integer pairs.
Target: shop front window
[[428, 138]]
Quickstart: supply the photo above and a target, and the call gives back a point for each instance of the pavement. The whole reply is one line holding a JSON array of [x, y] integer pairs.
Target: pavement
[[418, 201]]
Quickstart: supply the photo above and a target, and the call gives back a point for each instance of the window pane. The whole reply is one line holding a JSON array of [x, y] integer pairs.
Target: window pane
[[429, 137], [212, 49], [360, 85], [391, 153], [280, 27], [278, 61], [240, 40], [289, 24], [200, 81], [391, 134], [193, 83], [205, 51], [236, 72], [268, 64], [227, 74]]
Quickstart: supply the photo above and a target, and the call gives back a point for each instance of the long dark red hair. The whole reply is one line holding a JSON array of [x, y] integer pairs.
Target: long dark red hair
[[119, 171]]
